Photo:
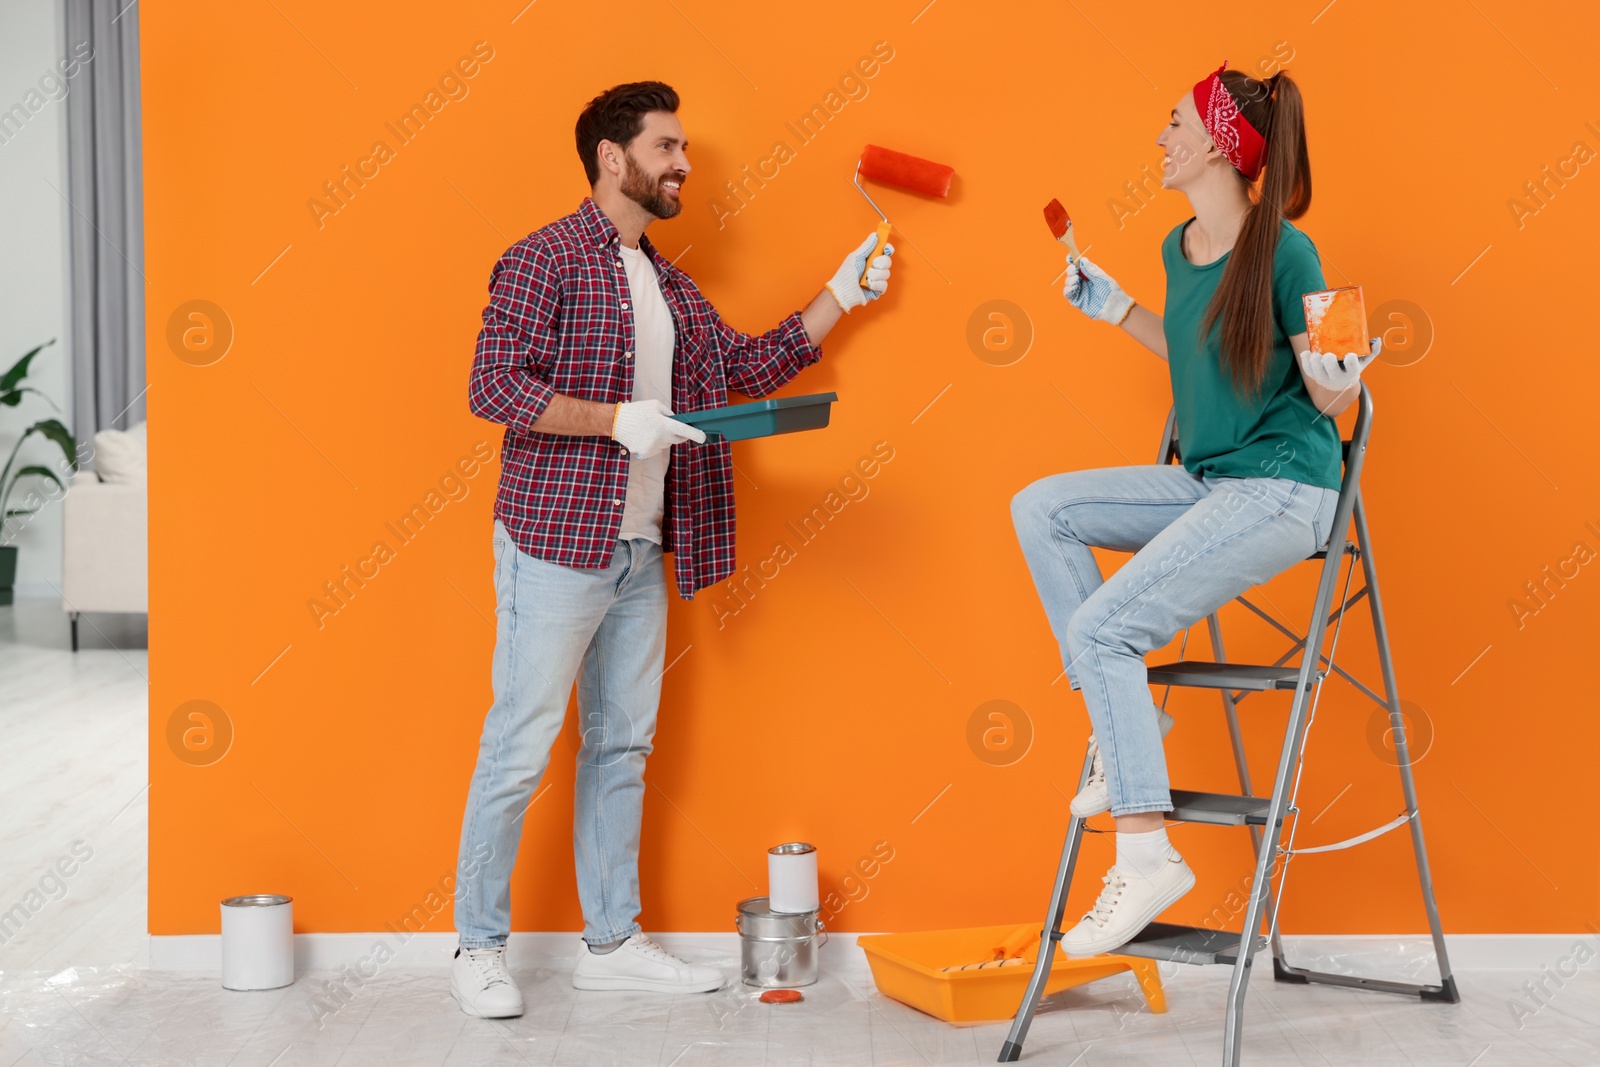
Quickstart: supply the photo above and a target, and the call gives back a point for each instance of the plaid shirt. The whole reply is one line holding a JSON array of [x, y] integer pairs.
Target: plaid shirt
[[559, 321]]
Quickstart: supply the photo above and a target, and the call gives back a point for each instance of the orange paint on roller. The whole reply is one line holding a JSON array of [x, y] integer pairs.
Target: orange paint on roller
[[905, 172], [1016, 942], [887, 167]]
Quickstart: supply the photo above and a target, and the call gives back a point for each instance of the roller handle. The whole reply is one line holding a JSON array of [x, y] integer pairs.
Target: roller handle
[[883, 239]]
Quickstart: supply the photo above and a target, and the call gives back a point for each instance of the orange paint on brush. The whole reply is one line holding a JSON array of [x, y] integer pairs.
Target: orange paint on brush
[[1056, 217], [1060, 223]]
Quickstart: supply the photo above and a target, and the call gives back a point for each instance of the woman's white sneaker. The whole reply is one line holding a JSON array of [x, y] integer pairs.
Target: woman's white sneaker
[[1094, 797], [641, 964], [481, 984], [1127, 904]]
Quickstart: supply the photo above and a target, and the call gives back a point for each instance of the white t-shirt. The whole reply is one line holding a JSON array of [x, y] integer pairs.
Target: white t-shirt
[[653, 340]]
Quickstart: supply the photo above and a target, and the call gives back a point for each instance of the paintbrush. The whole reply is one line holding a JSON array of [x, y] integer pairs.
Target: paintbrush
[[1061, 226]]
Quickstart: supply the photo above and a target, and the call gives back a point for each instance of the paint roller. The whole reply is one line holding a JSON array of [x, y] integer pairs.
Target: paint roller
[[1008, 953], [915, 175]]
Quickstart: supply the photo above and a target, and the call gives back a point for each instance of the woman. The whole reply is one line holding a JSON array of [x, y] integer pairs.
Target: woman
[[1261, 462]]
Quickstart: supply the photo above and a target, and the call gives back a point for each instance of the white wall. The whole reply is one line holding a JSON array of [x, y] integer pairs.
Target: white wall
[[33, 263]]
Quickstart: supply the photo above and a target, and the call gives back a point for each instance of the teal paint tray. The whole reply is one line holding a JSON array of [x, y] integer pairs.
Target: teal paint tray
[[763, 418]]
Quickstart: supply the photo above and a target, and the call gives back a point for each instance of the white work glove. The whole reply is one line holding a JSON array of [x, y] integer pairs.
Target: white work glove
[[1094, 292], [1325, 369], [643, 426], [846, 286]]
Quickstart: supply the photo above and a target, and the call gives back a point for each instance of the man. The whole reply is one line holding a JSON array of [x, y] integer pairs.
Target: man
[[591, 340]]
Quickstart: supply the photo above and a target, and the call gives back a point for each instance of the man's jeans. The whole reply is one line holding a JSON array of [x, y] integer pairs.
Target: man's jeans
[[553, 621], [1197, 541]]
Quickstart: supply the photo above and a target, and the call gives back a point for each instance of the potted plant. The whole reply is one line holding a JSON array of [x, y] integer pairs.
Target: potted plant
[[11, 391]]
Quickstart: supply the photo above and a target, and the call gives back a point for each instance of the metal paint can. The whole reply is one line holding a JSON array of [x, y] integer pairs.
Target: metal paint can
[[257, 942], [777, 949]]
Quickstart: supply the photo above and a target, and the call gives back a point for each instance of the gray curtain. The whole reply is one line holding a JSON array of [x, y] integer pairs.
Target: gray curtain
[[106, 191]]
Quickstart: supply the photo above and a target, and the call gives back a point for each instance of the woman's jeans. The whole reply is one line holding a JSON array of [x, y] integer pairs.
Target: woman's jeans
[[555, 621], [1197, 541]]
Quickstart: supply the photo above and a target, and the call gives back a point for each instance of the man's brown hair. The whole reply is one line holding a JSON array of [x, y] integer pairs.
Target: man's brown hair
[[618, 115]]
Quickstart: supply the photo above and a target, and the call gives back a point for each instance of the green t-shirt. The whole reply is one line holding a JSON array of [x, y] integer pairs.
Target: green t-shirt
[[1278, 435]]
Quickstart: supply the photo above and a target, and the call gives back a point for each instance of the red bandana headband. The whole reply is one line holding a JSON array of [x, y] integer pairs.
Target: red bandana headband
[[1226, 124]]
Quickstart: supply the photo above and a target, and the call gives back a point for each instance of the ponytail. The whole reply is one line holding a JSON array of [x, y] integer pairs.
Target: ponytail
[[1243, 298]]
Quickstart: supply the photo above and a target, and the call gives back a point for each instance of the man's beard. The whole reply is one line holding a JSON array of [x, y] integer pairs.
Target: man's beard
[[647, 192]]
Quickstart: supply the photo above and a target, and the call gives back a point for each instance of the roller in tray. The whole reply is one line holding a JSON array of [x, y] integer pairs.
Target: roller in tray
[[762, 418]]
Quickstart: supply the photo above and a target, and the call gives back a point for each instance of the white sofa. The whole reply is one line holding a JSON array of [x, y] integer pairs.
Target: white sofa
[[105, 545]]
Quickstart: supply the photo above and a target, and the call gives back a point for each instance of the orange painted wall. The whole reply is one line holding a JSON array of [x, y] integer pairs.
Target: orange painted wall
[[835, 705]]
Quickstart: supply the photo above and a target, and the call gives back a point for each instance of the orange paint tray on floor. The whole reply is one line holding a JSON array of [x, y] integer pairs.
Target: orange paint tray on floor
[[911, 968]]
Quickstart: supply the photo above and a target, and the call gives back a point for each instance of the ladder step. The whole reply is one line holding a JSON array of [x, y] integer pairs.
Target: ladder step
[[1184, 944], [1202, 674], [1218, 809]]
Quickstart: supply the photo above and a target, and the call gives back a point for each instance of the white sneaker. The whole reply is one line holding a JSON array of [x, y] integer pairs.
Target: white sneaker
[[481, 984], [641, 964], [1127, 905], [1094, 798]]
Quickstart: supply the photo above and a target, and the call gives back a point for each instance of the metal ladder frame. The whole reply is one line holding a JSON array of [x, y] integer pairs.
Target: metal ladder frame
[[1266, 824]]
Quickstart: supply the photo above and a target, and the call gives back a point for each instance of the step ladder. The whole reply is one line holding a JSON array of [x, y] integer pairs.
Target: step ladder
[[1264, 816]]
